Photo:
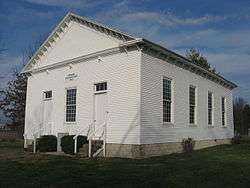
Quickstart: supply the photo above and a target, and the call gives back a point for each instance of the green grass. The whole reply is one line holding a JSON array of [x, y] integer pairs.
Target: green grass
[[221, 166]]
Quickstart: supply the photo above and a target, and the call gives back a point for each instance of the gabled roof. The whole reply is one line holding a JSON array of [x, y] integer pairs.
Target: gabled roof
[[64, 24], [128, 40]]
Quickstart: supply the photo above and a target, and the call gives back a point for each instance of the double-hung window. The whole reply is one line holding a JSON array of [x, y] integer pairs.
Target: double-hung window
[[210, 108], [223, 111], [192, 104], [71, 105], [167, 100]]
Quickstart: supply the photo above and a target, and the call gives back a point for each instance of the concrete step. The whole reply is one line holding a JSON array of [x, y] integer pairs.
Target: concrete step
[[98, 153], [84, 151], [96, 146]]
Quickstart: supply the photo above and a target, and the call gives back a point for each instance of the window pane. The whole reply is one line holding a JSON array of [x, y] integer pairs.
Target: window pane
[[101, 86], [223, 118], [166, 100], [209, 116], [166, 111], [223, 110], [191, 114], [71, 105], [192, 95], [210, 108], [167, 89], [191, 104], [209, 100]]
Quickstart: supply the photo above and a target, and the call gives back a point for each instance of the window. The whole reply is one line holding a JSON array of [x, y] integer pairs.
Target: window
[[71, 105], [101, 86], [210, 108], [192, 104], [223, 110], [47, 95], [167, 100]]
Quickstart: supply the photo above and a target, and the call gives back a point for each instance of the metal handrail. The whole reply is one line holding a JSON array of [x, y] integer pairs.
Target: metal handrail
[[93, 133], [34, 135], [25, 135], [103, 135], [78, 134]]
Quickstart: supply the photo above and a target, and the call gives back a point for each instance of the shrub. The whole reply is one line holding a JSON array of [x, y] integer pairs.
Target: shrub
[[12, 140], [67, 143], [47, 143], [188, 144], [245, 140], [236, 139]]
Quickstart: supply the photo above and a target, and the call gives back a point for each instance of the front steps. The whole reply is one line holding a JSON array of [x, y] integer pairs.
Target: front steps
[[96, 149]]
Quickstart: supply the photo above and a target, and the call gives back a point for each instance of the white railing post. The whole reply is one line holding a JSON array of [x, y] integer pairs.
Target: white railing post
[[79, 133], [104, 141], [34, 145], [105, 134], [75, 146], [90, 147], [25, 144]]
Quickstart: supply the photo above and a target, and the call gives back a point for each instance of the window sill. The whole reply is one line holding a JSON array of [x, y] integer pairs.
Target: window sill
[[99, 92], [47, 99], [70, 123], [210, 126], [168, 124], [192, 125]]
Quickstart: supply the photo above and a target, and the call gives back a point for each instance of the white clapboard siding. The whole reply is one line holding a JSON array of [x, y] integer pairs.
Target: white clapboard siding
[[152, 128], [122, 73], [77, 40]]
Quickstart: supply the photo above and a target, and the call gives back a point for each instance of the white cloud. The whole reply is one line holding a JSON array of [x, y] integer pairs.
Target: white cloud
[[66, 3], [228, 63], [169, 19], [214, 39]]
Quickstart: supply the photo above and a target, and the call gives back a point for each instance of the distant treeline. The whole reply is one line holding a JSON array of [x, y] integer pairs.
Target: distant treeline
[[241, 116]]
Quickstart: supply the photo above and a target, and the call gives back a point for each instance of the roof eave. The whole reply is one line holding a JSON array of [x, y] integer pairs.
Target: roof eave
[[159, 47]]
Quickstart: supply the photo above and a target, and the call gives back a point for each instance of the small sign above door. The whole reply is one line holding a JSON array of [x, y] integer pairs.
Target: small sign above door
[[71, 76]]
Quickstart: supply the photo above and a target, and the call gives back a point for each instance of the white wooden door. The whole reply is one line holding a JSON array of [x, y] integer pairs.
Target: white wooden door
[[47, 116], [100, 110]]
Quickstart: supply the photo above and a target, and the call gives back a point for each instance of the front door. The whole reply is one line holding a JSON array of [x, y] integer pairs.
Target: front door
[[47, 115], [100, 110]]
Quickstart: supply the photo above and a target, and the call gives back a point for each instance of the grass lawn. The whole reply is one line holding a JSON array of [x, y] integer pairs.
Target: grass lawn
[[221, 166]]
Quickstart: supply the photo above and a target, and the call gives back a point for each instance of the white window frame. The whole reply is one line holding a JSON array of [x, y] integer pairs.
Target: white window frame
[[195, 105], [212, 109], [171, 123], [225, 112], [65, 115], [101, 91], [44, 95]]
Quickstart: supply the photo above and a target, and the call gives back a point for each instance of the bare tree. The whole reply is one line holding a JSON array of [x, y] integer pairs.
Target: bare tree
[[241, 116], [13, 97]]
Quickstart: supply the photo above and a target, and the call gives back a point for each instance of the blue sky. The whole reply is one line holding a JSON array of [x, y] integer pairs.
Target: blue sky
[[219, 29]]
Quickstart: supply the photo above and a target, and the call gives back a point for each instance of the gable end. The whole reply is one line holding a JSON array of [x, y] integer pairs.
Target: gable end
[[60, 29]]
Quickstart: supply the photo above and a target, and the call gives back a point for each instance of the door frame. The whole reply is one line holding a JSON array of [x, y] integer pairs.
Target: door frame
[[99, 93]]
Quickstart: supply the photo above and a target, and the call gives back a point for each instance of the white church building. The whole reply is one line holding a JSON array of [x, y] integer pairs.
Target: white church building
[[140, 98]]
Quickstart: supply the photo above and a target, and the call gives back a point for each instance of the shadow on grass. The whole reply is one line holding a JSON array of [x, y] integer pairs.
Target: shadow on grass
[[219, 166]]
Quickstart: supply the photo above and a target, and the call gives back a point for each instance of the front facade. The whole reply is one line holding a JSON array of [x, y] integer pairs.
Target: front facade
[[148, 97]]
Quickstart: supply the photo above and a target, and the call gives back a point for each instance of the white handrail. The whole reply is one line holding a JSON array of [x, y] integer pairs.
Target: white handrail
[[103, 135], [34, 135], [79, 133], [97, 130], [25, 136]]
